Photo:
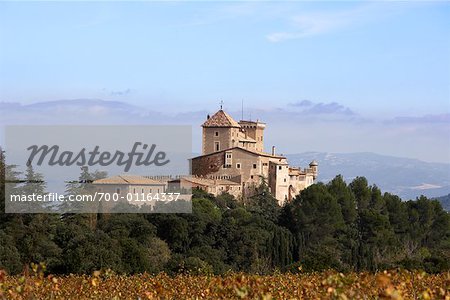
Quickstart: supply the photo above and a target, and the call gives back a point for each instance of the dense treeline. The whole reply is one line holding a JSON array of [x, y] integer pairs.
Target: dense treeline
[[336, 225]]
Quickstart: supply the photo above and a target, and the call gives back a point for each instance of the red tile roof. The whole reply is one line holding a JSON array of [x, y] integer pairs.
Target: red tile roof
[[221, 119], [128, 180]]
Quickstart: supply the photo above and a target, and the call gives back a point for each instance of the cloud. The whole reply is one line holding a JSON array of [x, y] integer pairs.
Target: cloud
[[309, 25], [426, 119], [301, 103], [121, 93], [309, 107], [313, 23]]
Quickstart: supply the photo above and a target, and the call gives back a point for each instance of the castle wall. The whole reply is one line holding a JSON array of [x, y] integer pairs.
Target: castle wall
[[279, 183], [250, 168]]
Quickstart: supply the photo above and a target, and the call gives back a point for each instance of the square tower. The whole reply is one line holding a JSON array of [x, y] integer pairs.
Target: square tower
[[220, 131]]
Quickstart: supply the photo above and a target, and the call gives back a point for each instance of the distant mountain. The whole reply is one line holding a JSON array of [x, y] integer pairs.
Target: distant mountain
[[79, 111], [405, 177]]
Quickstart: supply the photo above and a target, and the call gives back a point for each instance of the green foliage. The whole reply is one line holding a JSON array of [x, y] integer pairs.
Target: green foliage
[[338, 225]]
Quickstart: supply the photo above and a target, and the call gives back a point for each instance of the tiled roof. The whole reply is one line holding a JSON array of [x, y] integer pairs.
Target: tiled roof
[[244, 149], [221, 119], [127, 179], [246, 140], [209, 182], [296, 172]]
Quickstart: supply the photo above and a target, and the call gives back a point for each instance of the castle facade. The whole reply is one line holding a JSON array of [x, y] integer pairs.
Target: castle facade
[[233, 160]]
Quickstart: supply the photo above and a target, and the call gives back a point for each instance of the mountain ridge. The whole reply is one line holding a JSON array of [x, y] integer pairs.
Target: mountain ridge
[[407, 177]]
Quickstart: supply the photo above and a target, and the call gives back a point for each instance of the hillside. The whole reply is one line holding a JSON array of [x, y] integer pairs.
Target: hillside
[[408, 178], [445, 202]]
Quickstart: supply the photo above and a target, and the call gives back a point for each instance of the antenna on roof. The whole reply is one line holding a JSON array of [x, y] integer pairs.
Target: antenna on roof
[[242, 115], [221, 104]]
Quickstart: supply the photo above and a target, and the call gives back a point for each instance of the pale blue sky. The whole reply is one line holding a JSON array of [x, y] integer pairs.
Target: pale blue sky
[[377, 57], [376, 74]]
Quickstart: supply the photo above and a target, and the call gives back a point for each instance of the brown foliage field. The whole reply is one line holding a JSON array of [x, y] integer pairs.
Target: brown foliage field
[[320, 285]]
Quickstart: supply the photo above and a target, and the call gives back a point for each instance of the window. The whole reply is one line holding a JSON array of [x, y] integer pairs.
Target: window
[[216, 133], [118, 191], [285, 180], [265, 164], [238, 166], [228, 155], [279, 167], [254, 166], [134, 191], [251, 177], [143, 191], [217, 146]]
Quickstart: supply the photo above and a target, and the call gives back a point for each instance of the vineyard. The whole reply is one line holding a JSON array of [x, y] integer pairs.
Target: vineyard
[[323, 285]]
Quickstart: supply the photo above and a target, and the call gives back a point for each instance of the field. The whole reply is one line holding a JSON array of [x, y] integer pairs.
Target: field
[[324, 285]]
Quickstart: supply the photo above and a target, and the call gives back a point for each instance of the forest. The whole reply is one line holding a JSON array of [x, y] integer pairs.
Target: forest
[[341, 226]]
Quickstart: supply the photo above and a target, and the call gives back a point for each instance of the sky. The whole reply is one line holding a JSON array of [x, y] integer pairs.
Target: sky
[[344, 76]]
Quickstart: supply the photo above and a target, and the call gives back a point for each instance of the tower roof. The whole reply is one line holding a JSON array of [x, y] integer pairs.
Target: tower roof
[[221, 119], [314, 163]]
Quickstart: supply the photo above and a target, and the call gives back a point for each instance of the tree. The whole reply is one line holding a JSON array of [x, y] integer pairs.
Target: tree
[[316, 222]]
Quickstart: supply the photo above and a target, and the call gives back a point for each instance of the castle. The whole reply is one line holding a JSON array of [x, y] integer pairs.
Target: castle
[[233, 160]]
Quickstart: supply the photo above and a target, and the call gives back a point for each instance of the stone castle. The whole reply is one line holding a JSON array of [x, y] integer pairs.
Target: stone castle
[[233, 160]]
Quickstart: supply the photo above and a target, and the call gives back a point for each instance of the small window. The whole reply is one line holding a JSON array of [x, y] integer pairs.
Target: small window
[[251, 177], [216, 133], [134, 191], [279, 167], [143, 191], [254, 166], [285, 180], [118, 191], [217, 146], [238, 166]]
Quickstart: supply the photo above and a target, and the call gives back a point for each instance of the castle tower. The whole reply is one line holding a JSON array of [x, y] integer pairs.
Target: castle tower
[[255, 131], [314, 167], [220, 131]]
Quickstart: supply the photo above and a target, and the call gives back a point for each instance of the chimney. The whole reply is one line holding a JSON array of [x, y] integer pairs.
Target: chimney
[[273, 150]]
